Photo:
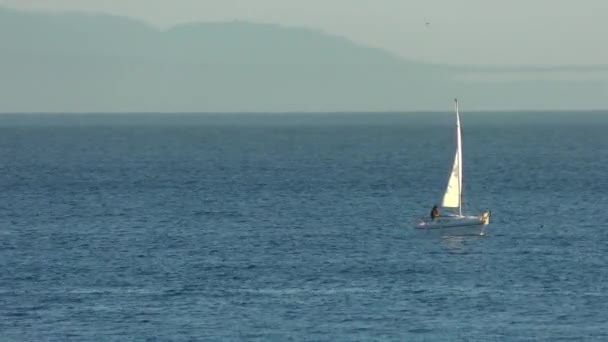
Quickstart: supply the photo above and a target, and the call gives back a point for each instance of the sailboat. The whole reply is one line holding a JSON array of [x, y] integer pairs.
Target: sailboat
[[452, 220]]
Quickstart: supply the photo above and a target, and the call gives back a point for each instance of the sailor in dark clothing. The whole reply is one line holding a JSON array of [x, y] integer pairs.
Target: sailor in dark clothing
[[434, 212]]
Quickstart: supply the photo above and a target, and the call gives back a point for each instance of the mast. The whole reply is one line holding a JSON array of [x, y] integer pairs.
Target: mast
[[459, 156]]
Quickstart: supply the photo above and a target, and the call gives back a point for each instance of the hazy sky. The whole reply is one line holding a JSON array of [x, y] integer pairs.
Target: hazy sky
[[489, 32]]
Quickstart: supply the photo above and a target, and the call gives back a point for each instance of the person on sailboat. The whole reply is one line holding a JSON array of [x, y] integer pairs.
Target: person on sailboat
[[435, 212]]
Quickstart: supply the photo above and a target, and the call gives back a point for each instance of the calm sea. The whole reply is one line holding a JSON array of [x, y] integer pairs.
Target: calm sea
[[279, 227]]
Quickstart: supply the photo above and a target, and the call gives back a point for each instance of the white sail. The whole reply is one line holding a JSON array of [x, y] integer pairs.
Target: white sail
[[452, 198]]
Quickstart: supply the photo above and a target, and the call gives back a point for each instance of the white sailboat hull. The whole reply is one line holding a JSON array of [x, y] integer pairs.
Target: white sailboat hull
[[456, 224]]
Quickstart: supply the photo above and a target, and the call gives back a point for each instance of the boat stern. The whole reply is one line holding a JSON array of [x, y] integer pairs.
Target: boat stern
[[485, 217]]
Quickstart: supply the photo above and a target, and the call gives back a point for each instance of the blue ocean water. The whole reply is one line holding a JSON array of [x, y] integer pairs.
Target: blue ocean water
[[276, 227]]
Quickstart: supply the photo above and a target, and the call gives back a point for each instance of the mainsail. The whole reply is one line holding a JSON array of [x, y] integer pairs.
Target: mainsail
[[452, 198]]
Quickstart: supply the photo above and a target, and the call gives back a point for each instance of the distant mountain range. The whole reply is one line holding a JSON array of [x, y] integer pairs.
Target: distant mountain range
[[99, 63]]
